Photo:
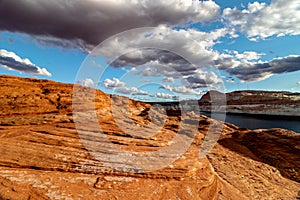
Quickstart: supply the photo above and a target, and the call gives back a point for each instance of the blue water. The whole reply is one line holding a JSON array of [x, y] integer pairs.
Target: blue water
[[255, 122]]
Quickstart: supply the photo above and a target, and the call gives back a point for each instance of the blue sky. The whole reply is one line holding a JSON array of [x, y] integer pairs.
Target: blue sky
[[192, 47]]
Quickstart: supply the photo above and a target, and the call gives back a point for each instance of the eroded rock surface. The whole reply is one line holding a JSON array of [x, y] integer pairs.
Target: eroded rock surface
[[42, 156]]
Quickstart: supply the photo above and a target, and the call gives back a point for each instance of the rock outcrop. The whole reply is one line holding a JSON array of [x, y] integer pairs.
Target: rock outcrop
[[42, 156], [255, 102]]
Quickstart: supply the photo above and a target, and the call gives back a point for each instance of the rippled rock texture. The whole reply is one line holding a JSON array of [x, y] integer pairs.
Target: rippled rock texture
[[43, 156]]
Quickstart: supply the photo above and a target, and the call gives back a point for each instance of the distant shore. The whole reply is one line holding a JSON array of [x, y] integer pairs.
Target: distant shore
[[261, 116]]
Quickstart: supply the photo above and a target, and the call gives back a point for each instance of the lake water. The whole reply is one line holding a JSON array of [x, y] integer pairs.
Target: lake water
[[260, 122]]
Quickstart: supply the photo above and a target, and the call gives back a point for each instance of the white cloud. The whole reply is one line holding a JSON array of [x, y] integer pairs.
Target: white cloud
[[181, 90], [113, 83], [42, 72], [11, 61], [164, 95], [298, 83], [195, 46], [203, 79], [87, 82], [260, 20], [248, 55], [119, 87], [130, 91]]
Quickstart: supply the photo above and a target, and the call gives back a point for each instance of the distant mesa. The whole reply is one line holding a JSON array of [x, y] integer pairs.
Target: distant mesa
[[256, 102]]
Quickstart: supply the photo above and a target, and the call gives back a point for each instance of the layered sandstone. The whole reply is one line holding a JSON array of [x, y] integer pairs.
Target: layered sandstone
[[42, 156]]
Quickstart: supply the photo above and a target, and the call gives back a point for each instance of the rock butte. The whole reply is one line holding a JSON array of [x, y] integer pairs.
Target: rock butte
[[256, 102], [42, 156]]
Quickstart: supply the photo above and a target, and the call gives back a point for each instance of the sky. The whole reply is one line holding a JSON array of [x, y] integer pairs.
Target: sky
[[154, 50]]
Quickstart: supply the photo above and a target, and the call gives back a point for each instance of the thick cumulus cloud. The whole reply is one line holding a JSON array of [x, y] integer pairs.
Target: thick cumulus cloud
[[113, 83], [255, 71], [190, 58], [166, 43], [247, 67], [168, 52], [156, 62], [11, 61], [203, 79], [260, 20], [90, 22]]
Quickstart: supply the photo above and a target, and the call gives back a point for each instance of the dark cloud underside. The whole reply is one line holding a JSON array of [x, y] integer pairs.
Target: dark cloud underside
[[93, 21]]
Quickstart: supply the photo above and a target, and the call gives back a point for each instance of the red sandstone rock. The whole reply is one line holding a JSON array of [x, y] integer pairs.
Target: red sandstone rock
[[43, 157]]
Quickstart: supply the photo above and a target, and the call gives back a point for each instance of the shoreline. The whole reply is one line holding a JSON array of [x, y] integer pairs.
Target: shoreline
[[260, 116]]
